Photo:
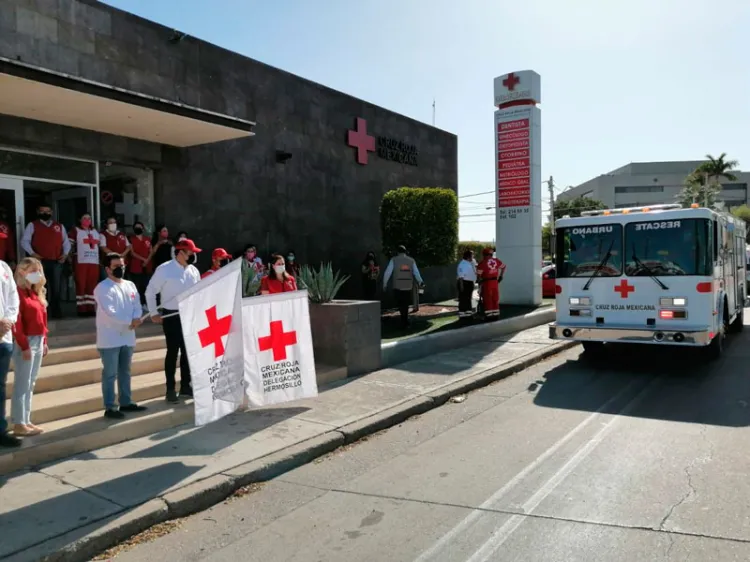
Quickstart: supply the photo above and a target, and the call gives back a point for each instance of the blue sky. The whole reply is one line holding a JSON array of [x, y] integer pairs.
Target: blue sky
[[622, 81]]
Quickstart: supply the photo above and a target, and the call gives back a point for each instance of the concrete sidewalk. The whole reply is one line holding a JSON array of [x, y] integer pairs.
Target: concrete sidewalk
[[73, 509]]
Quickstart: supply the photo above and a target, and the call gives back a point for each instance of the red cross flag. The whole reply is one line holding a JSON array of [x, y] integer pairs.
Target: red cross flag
[[211, 317], [279, 360]]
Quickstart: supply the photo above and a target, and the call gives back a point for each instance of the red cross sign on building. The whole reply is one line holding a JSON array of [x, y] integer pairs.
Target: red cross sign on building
[[277, 341], [214, 333], [624, 288], [511, 81], [359, 139]]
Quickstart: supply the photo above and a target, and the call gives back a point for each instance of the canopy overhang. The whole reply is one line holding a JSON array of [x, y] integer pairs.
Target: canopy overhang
[[43, 95]]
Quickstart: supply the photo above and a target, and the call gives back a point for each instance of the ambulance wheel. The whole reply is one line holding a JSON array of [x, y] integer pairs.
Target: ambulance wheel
[[739, 323], [716, 347], [592, 348]]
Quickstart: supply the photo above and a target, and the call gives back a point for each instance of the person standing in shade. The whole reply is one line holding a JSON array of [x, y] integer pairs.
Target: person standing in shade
[[118, 314], [292, 265], [219, 258], [86, 242], [467, 277], [113, 241], [490, 272], [140, 250], [370, 275], [7, 240], [9, 305], [278, 280], [162, 248], [30, 334], [47, 241], [405, 271], [169, 281]]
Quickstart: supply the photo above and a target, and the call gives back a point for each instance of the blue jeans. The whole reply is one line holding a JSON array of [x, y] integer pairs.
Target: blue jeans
[[116, 366], [6, 350], [25, 379]]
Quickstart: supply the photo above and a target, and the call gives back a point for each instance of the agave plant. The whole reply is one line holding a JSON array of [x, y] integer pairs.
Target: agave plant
[[323, 284], [250, 280]]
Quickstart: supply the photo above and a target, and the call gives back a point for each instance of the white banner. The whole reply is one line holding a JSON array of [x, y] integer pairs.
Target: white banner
[[279, 360], [211, 317]]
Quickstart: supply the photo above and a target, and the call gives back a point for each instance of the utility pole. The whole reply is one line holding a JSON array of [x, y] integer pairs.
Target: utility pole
[[433, 112], [551, 187]]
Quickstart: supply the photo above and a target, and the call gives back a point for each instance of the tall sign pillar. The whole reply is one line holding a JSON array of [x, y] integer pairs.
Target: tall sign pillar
[[518, 217]]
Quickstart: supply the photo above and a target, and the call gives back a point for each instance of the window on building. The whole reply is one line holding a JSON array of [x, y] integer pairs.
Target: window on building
[[734, 186], [639, 189]]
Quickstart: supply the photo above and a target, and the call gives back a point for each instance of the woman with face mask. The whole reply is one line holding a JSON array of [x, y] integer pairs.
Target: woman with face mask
[[250, 253], [292, 265], [140, 264], [113, 241], [30, 336], [162, 248], [277, 280], [85, 241], [370, 275]]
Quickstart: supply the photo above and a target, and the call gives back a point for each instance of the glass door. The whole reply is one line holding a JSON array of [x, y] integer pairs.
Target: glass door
[[12, 221]]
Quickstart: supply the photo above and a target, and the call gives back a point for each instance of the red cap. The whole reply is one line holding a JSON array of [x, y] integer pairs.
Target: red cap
[[220, 254], [3, 236], [188, 245]]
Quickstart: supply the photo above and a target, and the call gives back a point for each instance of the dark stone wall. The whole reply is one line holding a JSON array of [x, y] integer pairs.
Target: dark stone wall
[[321, 202]]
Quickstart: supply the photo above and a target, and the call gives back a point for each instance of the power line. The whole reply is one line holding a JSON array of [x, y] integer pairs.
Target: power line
[[475, 194]]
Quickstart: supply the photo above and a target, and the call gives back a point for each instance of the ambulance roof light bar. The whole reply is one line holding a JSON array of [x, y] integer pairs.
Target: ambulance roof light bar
[[661, 207]]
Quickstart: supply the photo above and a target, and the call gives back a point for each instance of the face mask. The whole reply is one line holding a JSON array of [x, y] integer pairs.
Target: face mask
[[138, 230], [34, 277], [279, 269], [112, 227], [223, 262], [290, 258], [250, 255], [191, 258], [182, 238], [118, 272], [164, 235], [85, 223], [44, 216]]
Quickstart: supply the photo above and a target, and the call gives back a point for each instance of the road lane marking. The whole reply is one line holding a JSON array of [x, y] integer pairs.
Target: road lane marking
[[476, 513], [496, 540]]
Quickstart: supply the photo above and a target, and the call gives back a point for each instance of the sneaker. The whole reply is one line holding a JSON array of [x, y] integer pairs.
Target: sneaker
[[133, 407], [113, 414], [7, 440], [172, 397], [186, 392]]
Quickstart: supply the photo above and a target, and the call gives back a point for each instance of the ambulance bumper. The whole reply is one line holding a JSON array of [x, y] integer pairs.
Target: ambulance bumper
[[690, 337]]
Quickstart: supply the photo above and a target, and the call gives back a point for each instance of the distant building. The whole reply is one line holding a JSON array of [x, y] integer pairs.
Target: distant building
[[650, 183]]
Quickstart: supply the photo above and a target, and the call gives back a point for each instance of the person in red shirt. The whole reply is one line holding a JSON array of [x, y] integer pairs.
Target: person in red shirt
[[7, 240], [278, 279], [490, 272], [219, 258], [86, 241], [30, 336], [140, 263], [113, 241]]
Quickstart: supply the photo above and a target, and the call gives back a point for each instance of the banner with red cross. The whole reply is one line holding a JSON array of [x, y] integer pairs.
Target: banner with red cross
[[279, 359]]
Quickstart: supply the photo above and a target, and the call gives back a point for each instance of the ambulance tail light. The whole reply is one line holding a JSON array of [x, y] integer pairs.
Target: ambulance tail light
[[705, 287], [580, 312], [673, 301], [579, 301], [672, 314], [558, 289]]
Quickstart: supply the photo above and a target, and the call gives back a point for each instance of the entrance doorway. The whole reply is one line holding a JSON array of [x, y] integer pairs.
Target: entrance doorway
[[11, 218]]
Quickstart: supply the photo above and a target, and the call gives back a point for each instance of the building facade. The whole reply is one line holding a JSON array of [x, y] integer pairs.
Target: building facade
[[106, 112], [649, 183]]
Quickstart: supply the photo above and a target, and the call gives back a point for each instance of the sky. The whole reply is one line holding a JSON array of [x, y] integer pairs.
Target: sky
[[622, 81]]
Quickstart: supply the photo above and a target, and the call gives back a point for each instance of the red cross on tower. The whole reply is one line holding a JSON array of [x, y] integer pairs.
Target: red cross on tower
[[217, 328], [91, 241], [511, 81], [359, 139], [277, 341], [624, 288]]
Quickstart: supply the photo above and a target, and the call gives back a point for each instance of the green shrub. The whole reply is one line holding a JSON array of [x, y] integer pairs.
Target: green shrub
[[425, 220], [322, 285], [475, 247]]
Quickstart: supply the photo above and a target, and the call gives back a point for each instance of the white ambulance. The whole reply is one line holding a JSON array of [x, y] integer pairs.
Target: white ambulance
[[660, 275]]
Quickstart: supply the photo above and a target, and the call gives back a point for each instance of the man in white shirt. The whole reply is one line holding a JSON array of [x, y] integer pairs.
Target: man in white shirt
[[170, 280], [118, 314], [467, 277], [9, 304]]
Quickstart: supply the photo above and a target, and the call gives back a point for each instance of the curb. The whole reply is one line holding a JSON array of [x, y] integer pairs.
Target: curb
[[80, 545]]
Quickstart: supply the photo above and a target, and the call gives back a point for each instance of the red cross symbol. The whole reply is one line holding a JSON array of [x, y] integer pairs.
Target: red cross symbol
[[624, 289], [359, 139], [216, 330], [277, 341], [91, 241], [511, 81]]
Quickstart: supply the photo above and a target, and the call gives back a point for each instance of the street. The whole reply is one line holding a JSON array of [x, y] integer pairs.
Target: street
[[640, 456]]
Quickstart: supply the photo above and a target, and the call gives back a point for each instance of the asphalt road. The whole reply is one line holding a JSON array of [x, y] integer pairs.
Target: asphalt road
[[640, 457]]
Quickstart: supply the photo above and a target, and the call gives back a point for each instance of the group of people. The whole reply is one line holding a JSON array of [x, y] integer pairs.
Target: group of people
[[488, 273], [135, 271]]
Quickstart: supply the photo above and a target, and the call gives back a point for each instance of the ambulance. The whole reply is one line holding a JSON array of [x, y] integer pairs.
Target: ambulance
[[659, 275]]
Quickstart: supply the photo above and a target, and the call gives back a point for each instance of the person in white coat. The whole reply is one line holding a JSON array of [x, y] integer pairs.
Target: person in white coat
[[467, 278], [118, 314], [9, 304]]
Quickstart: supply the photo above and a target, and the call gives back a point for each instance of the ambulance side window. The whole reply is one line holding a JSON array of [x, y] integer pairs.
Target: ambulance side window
[[715, 235]]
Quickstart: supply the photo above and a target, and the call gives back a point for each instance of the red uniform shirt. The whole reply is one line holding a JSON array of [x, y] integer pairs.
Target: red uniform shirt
[[32, 318], [116, 242], [7, 245], [490, 268], [47, 241], [209, 272], [275, 286], [142, 247]]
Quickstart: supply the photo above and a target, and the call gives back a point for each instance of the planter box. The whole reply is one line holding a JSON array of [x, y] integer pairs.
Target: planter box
[[347, 334]]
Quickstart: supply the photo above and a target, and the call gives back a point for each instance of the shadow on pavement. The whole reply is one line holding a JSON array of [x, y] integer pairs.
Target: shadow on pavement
[[690, 388]]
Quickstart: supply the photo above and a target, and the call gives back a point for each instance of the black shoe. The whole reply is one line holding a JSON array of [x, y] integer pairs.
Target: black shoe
[[7, 440], [186, 392], [113, 414], [133, 407], [172, 397]]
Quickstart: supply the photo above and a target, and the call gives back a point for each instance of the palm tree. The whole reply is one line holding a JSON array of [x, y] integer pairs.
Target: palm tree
[[717, 168]]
